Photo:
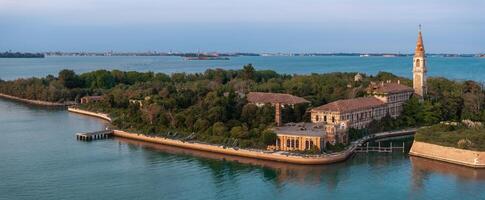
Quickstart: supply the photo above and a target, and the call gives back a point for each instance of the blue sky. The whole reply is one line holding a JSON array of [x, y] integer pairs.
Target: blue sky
[[449, 26]]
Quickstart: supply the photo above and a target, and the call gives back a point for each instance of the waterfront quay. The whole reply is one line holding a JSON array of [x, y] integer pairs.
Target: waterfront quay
[[97, 135], [279, 156]]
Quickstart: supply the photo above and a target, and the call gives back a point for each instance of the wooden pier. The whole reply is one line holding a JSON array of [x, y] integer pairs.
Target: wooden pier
[[98, 135], [381, 149]]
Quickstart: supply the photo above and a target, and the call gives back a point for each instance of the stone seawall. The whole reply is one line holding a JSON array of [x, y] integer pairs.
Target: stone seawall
[[34, 102], [257, 154], [93, 114], [278, 156], [264, 155], [469, 158]]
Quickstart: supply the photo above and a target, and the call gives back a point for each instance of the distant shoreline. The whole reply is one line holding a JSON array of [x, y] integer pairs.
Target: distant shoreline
[[21, 55]]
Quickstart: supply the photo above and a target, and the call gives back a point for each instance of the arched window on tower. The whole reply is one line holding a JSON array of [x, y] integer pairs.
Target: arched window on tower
[[418, 63]]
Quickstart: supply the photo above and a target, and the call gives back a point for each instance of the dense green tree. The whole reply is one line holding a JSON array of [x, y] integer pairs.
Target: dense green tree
[[219, 129], [268, 137], [240, 132], [201, 125], [248, 72], [69, 79]]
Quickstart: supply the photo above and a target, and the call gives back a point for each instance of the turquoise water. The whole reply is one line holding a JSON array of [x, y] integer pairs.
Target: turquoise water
[[453, 68], [40, 159]]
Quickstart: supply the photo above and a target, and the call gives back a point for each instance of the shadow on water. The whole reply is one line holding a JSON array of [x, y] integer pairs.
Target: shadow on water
[[422, 168], [226, 166], [277, 172]]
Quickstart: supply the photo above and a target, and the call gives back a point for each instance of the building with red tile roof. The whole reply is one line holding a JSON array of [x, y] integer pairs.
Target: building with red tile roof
[[89, 99], [276, 99], [272, 98], [389, 88], [386, 99], [349, 105]]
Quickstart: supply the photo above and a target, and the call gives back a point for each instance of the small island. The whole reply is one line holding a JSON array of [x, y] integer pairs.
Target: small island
[[204, 56], [236, 110], [9, 54]]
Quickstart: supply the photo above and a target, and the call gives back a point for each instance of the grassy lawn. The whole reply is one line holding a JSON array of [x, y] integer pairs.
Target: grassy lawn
[[458, 136]]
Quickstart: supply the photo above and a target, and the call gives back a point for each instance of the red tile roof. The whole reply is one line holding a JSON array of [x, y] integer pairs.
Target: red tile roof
[[389, 88], [93, 97], [263, 97], [348, 105]]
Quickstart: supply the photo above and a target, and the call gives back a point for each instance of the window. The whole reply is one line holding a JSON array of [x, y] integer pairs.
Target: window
[[307, 145], [317, 118], [288, 143], [333, 119], [324, 118], [297, 143]]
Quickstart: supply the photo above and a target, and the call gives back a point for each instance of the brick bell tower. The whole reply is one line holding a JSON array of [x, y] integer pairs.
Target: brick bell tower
[[419, 68]]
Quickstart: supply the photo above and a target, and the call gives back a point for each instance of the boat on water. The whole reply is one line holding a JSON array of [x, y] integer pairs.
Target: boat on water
[[206, 58]]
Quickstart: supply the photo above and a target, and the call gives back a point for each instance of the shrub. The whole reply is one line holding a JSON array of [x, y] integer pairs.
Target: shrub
[[269, 137]]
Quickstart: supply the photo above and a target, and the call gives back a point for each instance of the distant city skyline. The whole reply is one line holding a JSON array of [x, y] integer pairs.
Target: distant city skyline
[[375, 26]]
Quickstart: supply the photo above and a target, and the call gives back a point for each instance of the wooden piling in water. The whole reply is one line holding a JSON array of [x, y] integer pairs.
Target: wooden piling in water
[[97, 135]]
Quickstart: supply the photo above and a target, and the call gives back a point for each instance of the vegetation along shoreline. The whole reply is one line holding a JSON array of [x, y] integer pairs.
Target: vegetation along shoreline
[[249, 153]]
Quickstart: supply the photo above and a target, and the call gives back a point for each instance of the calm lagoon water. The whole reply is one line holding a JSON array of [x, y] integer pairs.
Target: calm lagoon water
[[454, 68], [41, 159]]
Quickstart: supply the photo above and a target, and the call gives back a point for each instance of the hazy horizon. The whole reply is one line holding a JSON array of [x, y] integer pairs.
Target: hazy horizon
[[313, 26]]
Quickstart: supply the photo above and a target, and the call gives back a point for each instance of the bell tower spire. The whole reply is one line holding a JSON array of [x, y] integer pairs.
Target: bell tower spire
[[419, 67]]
